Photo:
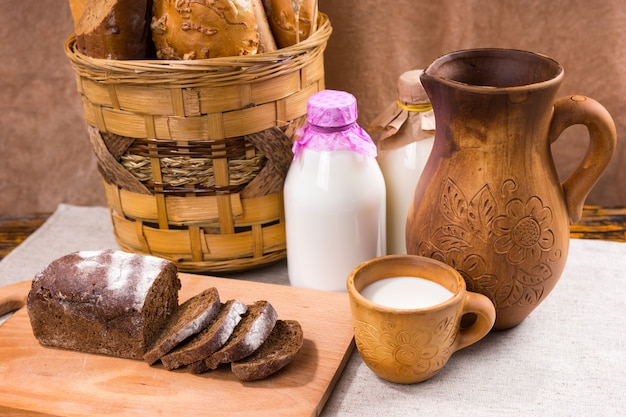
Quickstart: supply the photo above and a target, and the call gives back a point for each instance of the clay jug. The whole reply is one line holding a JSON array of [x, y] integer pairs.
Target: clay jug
[[489, 202]]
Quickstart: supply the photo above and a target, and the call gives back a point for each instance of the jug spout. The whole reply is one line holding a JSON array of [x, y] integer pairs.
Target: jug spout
[[493, 95]]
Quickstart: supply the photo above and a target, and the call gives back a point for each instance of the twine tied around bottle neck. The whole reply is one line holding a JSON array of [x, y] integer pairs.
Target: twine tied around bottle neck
[[401, 123], [416, 107]]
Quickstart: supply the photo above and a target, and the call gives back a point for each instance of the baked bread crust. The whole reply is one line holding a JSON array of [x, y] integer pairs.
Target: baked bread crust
[[248, 336], [267, 43], [291, 21], [77, 7], [280, 348], [201, 29], [114, 29], [126, 305], [191, 317], [208, 340], [107, 302]]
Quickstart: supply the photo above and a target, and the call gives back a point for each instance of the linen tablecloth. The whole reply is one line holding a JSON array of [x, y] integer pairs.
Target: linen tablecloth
[[565, 359]]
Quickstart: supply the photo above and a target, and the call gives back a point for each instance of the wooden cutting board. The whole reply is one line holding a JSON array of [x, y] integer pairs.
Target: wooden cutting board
[[36, 380]]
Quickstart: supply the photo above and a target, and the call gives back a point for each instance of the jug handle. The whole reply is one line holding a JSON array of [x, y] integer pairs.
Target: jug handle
[[572, 110]]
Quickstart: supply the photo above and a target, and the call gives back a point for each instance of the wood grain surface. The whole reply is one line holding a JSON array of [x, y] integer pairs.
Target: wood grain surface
[[14, 231], [55, 382], [604, 223]]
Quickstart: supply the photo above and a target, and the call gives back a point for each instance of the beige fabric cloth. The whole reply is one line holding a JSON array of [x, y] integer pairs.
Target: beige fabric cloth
[[565, 359], [73, 228]]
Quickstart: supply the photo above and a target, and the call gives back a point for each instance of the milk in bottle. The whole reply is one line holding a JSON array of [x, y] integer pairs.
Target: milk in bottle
[[334, 196]]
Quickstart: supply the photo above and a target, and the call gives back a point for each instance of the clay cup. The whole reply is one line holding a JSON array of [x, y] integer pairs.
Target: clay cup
[[410, 345]]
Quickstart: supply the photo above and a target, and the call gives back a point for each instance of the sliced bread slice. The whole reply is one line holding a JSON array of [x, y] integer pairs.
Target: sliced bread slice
[[282, 345], [191, 317], [208, 340], [248, 336]]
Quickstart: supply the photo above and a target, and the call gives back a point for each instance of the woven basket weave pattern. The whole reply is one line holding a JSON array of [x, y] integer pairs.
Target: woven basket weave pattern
[[193, 154], [191, 166]]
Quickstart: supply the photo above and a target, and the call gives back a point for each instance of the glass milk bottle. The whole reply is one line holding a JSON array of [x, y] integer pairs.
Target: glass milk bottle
[[404, 134], [334, 196]]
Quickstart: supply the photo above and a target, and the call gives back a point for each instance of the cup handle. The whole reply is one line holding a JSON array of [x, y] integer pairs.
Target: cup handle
[[573, 110], [485, 312]]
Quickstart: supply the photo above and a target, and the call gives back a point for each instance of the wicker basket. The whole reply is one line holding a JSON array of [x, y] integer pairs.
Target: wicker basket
[[193, 154]]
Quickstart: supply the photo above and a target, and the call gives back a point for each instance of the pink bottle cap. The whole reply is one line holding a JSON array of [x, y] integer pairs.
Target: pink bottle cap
[[331, 125], [331, 108]]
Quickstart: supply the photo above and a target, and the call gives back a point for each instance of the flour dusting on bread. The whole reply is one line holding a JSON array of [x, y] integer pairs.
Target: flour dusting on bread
[[126, 305]]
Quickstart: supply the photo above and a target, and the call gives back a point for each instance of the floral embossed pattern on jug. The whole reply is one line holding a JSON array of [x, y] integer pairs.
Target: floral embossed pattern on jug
[[489, 201]]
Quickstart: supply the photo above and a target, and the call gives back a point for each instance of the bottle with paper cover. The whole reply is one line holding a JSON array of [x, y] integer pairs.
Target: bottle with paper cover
[[404, 134], [334, 196]]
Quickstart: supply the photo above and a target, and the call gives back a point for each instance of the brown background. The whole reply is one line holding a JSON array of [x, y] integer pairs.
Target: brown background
[[46, 159]]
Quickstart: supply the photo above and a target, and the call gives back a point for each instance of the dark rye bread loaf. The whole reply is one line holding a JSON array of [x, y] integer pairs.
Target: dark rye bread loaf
[[248, 336], [275, 353], [191, 317], [208, 340], [108, 302]]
